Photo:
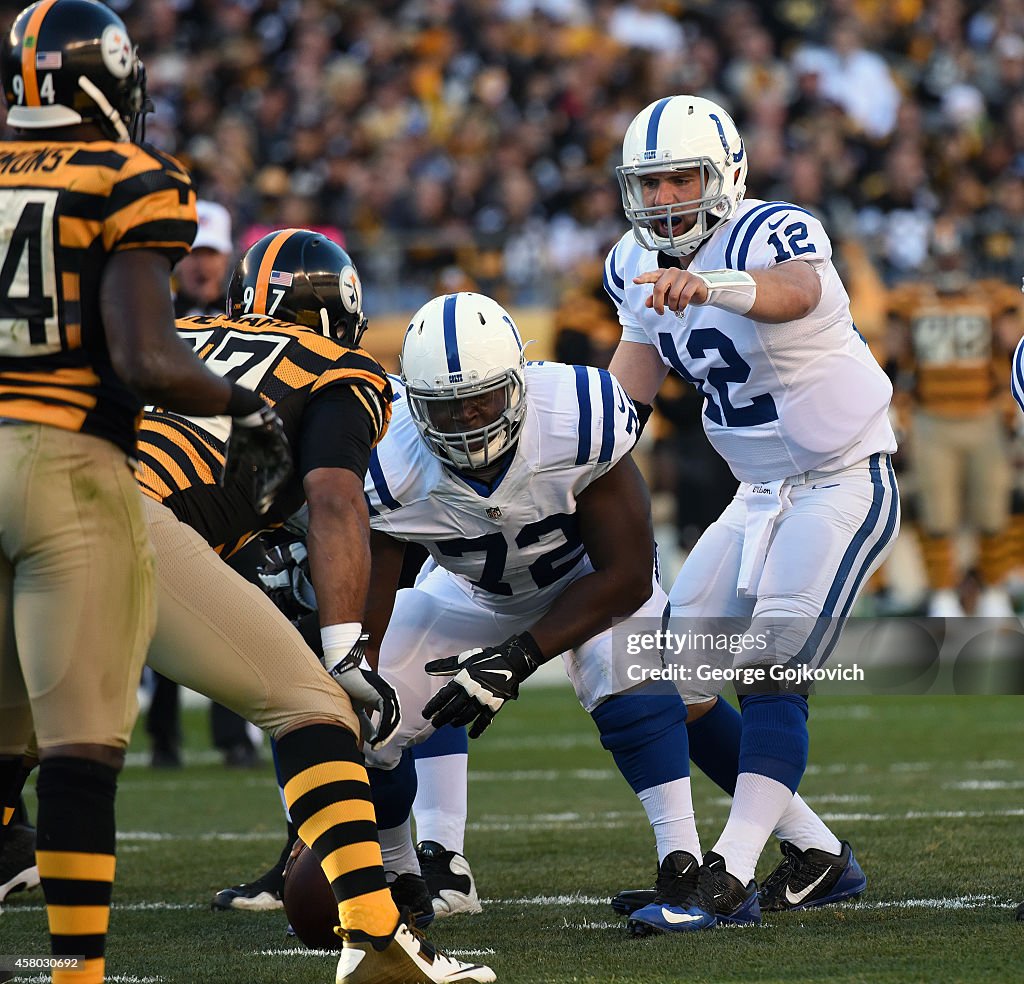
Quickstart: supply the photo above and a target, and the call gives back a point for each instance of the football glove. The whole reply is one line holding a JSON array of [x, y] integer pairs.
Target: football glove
[[258, 458], [284, 576], [484, 680], [366, 688]]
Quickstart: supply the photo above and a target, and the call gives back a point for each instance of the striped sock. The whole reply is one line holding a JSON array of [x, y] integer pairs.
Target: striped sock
[[328, 796], [75, 840]]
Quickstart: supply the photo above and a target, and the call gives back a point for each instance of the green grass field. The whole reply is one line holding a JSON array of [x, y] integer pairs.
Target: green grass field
[[928, 790]]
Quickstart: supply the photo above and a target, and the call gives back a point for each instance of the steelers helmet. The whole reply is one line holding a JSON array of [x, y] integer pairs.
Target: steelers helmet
[[66, 62], [303, 277]]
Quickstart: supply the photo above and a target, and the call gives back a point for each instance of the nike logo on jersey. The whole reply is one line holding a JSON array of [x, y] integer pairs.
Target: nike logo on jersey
[[834, 485], [775, 225], [677, 918], [801, 895]]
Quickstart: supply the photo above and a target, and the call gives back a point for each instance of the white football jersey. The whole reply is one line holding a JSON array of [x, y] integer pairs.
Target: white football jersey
[[515, 546], [780, 399]]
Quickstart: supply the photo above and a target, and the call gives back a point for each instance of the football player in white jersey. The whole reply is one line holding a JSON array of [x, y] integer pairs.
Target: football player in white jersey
[[517, 479], [740, 298]]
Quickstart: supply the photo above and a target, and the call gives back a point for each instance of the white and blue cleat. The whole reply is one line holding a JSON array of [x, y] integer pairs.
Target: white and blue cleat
[[682, 901]]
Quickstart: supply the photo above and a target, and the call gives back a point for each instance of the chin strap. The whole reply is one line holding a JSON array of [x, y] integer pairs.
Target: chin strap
[[105, 108]]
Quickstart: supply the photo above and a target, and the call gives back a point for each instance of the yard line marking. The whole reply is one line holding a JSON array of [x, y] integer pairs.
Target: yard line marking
[[985, 784], [295, 951]]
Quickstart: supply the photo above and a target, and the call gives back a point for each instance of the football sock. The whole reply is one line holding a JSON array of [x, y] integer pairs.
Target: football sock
[[440, 807], [397, 849], [75, 848], [714, 740], [758, 803], [646, 735], [393, 793], [715, 750], [328, 796], [802, 827], [773, 756]]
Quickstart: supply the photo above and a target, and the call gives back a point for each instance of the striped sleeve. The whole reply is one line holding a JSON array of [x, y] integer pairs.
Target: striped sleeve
[[607, 422], [1017, 375], [614, 282], [152, 205], [775, 232]]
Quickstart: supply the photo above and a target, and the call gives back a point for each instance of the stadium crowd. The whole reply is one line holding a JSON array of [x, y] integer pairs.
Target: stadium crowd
[[449, 144]]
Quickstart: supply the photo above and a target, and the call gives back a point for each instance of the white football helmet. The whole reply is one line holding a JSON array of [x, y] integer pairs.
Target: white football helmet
[[675, 134], [464, 372]]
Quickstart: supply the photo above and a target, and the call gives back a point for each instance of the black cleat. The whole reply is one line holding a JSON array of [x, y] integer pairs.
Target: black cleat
[[449, 879], [411, 892], [631, 899], [261, 895], [682, 902], [1020, 912], [18, 870], [805, 879], [736, 904]]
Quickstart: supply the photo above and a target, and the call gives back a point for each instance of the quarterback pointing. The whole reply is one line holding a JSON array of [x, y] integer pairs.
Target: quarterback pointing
[[740, 298]]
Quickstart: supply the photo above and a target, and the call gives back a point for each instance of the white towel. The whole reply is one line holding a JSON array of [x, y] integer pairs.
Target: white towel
[[764, 502]]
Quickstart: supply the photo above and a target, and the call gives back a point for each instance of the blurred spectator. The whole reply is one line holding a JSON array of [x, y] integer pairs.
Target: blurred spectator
[[954, 336]]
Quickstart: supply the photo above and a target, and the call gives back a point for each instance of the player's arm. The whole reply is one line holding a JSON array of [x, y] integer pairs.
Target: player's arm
[[387, 555], [614, 514], [638, 367], [786, 292], [336, 436], [146, 351], [615, 523]]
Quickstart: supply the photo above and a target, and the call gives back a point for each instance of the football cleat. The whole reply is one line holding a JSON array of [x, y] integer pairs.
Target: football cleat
[[631, 899], [682, 899], [805, 879], [18, 870], [735, 904], [449, 878], [404, 957], [261, 895], [410, 891]]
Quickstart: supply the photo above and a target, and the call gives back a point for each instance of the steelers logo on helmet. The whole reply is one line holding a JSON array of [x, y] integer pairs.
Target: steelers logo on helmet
[[117, 52], [351, 289]]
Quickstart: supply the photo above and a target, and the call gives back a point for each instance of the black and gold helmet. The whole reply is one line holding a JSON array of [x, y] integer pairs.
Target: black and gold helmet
[[66, 62], [303, 277]]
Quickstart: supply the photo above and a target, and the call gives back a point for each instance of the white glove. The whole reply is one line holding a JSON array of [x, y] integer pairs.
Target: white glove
[[344, 645]]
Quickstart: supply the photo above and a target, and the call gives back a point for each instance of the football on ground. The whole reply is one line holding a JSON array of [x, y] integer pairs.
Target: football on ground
[[309, 902]]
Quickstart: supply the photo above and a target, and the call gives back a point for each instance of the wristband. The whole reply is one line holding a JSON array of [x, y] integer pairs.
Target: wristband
[[338, 641], [243, 403], [730, 290]]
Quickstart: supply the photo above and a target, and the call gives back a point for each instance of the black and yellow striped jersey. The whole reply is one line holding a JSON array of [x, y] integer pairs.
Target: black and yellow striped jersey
[[181, 458], [65, 207]]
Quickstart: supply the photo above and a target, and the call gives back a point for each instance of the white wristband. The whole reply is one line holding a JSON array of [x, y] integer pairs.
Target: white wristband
[[730, 290], [338, 641]]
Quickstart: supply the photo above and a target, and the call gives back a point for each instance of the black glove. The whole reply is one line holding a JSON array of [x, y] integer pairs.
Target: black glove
[[367, 690], [258, 457], [484, 680], [284, 576]]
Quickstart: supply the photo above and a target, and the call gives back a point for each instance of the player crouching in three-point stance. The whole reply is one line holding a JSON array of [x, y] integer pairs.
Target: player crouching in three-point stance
[[741, 299], [517, 479]]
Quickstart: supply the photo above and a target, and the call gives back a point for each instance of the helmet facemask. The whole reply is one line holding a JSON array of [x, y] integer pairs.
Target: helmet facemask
[[653, 226], [447, 417]]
